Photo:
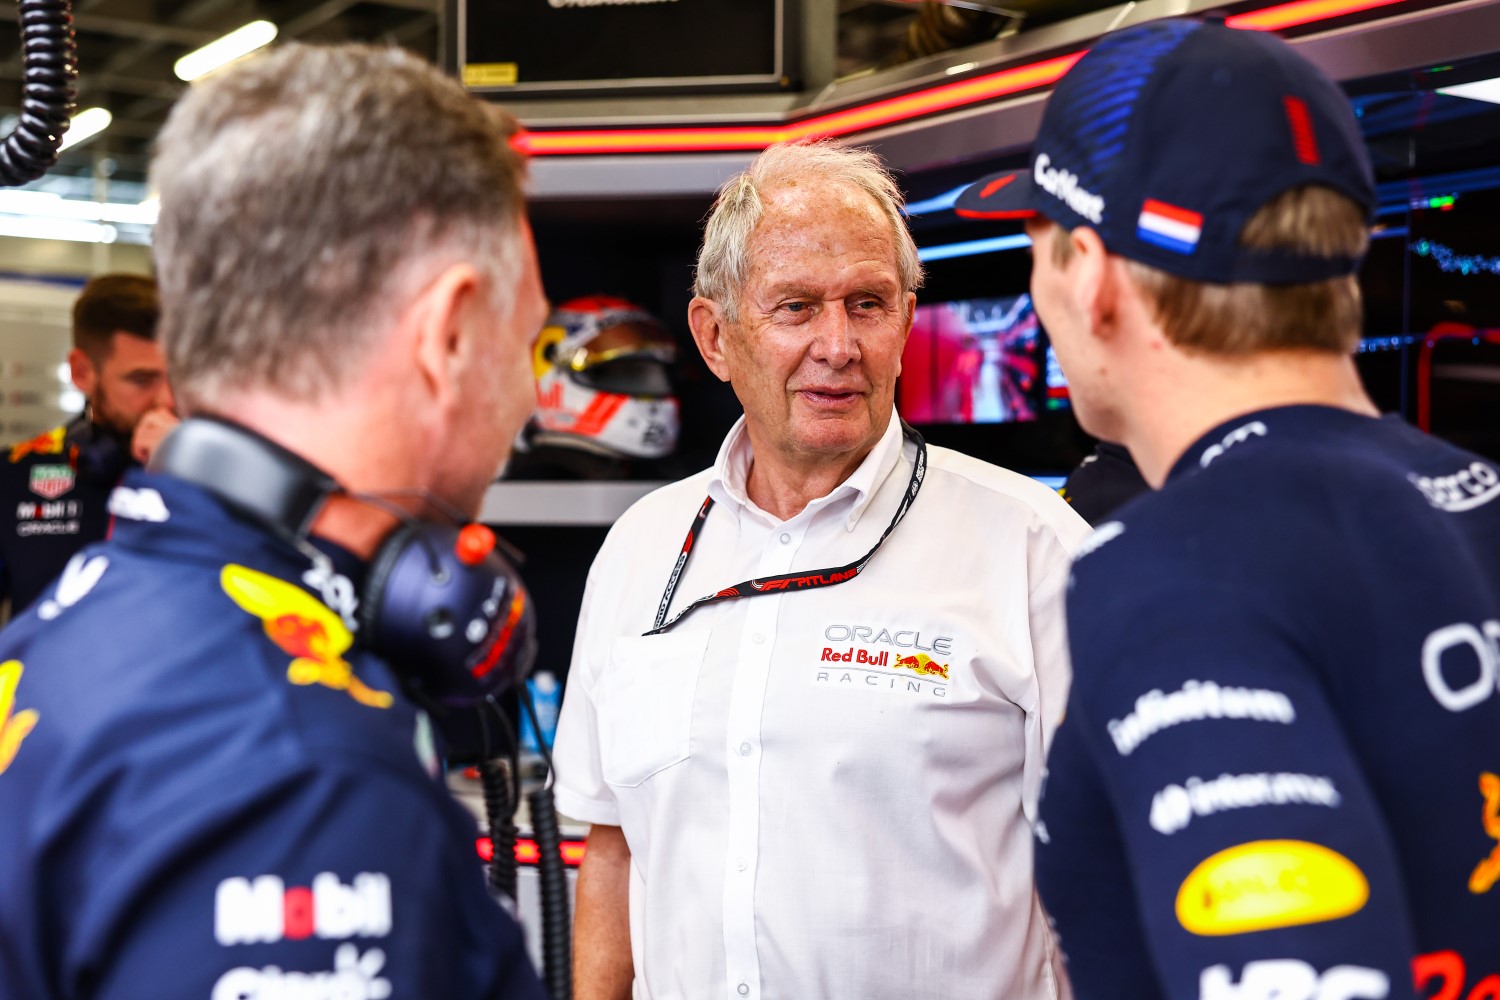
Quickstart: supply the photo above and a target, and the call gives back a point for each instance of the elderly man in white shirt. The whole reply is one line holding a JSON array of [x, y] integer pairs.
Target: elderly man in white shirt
[[813, 685]]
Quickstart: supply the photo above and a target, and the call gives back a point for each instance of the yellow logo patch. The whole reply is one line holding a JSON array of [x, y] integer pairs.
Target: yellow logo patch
[[303, 627], [13, 728], [1267, 884]]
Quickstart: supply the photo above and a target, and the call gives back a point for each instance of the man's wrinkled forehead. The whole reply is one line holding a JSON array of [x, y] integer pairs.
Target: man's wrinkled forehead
[[804, 219]]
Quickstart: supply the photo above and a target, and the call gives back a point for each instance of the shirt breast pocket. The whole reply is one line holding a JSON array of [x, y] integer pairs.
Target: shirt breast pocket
[[645, 704]]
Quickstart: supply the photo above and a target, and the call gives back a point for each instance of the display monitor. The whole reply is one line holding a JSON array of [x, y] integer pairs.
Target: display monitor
[[979, 361]]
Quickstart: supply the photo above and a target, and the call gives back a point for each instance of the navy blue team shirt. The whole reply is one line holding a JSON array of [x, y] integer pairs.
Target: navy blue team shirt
[[1277, 774], [205, 791]]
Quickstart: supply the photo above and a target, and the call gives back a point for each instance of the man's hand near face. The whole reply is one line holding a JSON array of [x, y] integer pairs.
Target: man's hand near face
[[152, 429]]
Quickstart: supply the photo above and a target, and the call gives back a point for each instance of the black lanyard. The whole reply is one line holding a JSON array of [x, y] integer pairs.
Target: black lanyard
[[787, 581]]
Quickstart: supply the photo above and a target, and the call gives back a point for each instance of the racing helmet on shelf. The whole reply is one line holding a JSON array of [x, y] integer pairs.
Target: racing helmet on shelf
[[603, 380]]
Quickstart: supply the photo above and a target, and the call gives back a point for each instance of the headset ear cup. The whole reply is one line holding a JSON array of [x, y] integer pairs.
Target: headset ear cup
[[455, 632], [372, 596]]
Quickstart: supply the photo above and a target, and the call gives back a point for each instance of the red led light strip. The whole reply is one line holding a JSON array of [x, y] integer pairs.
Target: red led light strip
[[1300, 12], [866, 116], [946, 97], [528, 853]]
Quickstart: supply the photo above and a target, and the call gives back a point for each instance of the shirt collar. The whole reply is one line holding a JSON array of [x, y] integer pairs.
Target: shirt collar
[[732, 469], [162, 514]]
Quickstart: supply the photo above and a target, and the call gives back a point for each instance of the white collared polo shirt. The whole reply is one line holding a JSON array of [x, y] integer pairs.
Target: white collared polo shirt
[[826, 793]]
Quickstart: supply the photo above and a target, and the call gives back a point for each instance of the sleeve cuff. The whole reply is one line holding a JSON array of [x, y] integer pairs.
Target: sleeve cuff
[[575, 806]]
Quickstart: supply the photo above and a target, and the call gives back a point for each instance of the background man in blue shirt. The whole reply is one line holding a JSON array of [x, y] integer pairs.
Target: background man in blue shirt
[[55, 487], [210, 784], [1277, 777]]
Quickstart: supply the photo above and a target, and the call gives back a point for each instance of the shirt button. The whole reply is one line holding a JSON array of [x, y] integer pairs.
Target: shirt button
[[745, 749], [786, 539], [743, 989], [758, 638], [739, 864]]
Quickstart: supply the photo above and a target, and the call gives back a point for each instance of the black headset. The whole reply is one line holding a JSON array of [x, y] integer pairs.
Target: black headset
[[439, 604]]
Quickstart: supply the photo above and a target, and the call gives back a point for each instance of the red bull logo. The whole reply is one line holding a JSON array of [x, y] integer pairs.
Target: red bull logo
[[923, 664], [304, 628], [48, 443], [1488, 872], [13, 727]]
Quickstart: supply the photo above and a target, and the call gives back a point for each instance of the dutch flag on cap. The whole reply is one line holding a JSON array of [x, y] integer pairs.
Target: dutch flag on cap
[[1169, 227]]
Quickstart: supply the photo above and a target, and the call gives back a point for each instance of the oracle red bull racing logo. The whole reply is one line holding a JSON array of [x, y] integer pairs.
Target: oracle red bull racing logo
[[899, 668], [303, 627]]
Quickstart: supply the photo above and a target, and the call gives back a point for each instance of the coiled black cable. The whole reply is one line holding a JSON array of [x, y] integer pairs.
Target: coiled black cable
[[557, 922], [500, 808], [552, 874], [49, 91]]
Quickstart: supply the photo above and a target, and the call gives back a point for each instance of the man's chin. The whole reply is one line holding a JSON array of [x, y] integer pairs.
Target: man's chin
[[122, 429], [836, 436]]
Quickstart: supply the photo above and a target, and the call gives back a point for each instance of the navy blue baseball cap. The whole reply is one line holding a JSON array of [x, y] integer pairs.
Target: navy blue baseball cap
[[1167, 137]]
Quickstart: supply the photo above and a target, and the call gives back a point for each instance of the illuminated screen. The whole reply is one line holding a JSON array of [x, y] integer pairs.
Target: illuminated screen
[[978, 361]]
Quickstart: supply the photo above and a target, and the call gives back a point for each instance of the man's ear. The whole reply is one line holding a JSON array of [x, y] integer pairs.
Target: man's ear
[[1094, 280], [909, 304], [706, 320], [439, 325], [81, 369]]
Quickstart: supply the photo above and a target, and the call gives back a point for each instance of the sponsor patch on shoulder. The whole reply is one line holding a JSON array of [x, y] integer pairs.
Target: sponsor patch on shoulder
[[144, 504], [1463, 490], [1239, 435]]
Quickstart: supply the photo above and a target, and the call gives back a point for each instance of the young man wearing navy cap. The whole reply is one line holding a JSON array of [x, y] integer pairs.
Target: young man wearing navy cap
[[1277, 777]]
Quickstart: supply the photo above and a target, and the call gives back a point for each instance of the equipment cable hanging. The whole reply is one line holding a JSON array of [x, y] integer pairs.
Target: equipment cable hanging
[[49, 91]]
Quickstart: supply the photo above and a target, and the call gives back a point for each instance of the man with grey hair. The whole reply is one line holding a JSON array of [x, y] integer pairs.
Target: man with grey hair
[[809, 735], [211, 783]]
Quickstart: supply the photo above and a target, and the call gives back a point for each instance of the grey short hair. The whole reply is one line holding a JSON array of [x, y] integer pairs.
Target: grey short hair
[[302, 195], [723, 260]]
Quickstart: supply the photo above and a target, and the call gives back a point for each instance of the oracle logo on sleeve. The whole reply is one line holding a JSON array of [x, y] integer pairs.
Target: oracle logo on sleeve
[[1461, 664], [264, 910]]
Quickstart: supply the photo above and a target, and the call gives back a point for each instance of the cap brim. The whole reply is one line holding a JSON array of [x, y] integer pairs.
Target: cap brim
[[998, 196]]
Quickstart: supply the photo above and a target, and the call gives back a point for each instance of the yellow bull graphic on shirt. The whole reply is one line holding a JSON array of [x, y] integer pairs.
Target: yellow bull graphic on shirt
[[46, 443], [302, 626], [1488, 871], [13, 728], [923, 664]]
